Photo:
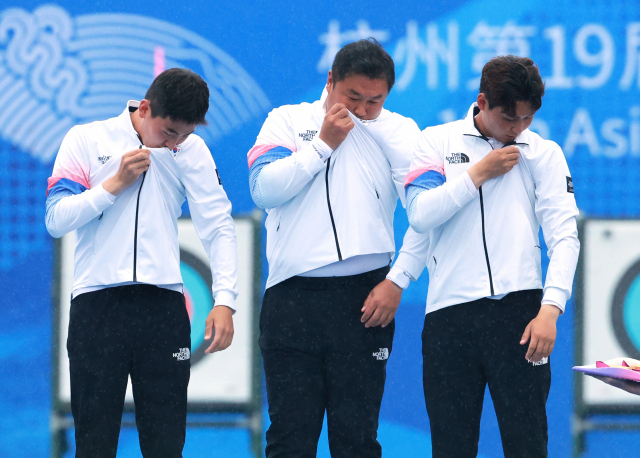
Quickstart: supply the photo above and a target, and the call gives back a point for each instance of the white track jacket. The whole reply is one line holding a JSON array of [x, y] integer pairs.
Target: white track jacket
[[325, 209], [485, 242], [134, 237]]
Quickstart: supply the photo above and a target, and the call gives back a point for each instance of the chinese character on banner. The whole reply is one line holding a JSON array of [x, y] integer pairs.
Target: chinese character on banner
[[334, 40], [491, 41], [413, 50], [632, 66]]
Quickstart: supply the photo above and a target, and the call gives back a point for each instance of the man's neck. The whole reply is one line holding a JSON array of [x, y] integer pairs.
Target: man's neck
[[477, 120]]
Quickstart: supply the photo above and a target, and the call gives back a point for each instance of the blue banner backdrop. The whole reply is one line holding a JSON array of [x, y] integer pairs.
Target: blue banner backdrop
[[76, 62]]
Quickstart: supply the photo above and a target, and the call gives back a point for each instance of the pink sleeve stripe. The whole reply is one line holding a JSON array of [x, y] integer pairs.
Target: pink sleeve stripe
[[259, 150], [411, 176], [51, 181]]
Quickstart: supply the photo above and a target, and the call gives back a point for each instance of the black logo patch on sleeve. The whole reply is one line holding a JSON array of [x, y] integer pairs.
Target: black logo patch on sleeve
[[220, 181], [570, 185]]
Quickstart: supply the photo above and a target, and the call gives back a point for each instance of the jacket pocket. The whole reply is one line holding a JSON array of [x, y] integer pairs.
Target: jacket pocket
[[537, 255], [100, 233], [274, 237], [432, 267]]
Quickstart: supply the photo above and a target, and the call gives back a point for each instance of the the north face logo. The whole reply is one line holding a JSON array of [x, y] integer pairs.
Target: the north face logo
[[457, 158], [382, 354], [308, 135], [104, 159], [183, 354], [542, 362]]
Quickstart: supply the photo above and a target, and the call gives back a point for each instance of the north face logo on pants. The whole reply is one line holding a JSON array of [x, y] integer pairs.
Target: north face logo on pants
[[382, 354], [542, 362], [183, 354]]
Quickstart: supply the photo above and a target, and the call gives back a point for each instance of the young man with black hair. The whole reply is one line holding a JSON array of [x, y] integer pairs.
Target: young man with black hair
[[481, 188], [329, 175], [120, 185]]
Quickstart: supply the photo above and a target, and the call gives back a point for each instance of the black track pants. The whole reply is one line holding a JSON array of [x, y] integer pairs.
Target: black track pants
[[318, 356], [137, 330], [464, 348]]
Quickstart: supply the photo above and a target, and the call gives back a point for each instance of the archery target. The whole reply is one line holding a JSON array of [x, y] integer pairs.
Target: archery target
[[611, 303], [219, 379]]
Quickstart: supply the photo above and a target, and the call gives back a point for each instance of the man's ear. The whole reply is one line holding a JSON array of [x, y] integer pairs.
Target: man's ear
[[329, 82], [483, 104], [144, 109]]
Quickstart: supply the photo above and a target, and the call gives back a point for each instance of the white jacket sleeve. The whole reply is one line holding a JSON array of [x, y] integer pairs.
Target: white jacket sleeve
[[277, 172], [72, 211], [211, 215], [279, 178], [411, 260], [556, 210], [71, 203], [431, 198], [412, 257], [398, 149]]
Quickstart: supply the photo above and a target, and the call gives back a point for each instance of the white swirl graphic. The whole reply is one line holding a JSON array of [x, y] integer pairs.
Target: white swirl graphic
[[57, 71]]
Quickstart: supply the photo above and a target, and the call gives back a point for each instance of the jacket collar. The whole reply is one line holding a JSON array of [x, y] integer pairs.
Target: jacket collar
[[125, 120], [470, 128]]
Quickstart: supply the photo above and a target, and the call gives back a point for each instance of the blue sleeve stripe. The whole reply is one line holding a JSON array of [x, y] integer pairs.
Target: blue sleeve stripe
[[429, 180], [261, 162], [422, 183], [272, 155], [69, 185], [63, 188]]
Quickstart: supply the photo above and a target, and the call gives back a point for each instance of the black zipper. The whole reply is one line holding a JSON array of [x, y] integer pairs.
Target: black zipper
[[484, 242], [135, 233], [484, 239], [333, 223]]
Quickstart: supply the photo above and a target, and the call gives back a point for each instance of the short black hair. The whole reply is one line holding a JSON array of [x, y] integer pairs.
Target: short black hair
[[508, 79], [364, 57], [180, 94]]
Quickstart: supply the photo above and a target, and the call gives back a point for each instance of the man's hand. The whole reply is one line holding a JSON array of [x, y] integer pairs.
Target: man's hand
[[381, 304], [336, 126], [626, 385], [220, 319], [132, 165], [495, 164], [541, 332]]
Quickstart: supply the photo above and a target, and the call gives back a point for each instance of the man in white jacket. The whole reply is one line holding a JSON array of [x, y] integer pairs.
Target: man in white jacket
[[120, 185], [329, 175], [482, 187]]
